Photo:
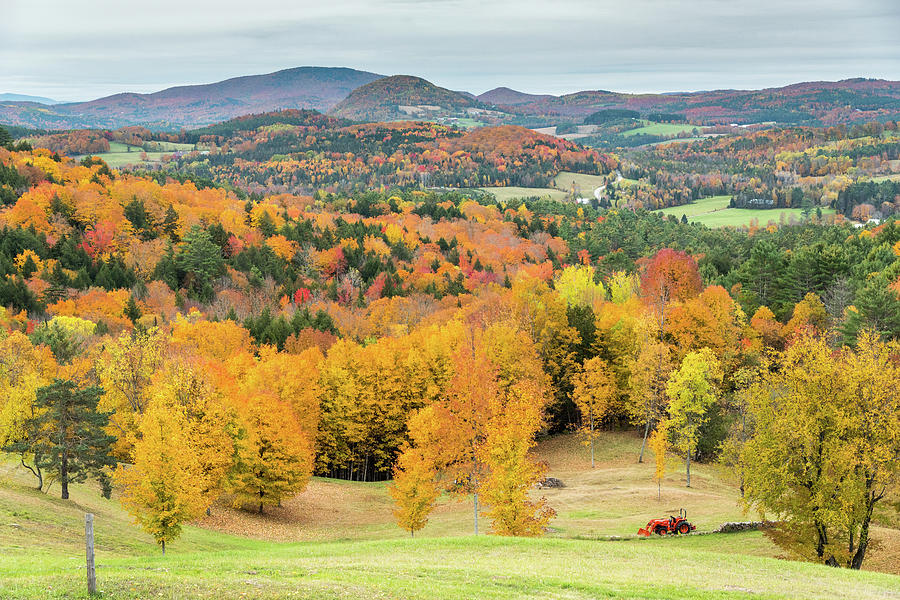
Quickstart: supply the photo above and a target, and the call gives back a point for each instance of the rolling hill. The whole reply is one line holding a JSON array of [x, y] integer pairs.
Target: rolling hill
[[509, 97], [318, 88], [818, 102], [401, 97]]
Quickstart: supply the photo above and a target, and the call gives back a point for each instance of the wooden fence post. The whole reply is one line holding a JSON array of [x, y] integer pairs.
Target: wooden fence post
[[89, 547]]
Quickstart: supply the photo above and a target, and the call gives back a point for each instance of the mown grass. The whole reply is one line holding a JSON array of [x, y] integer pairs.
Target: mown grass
[[468, 567], [892, 177], [705, 205]]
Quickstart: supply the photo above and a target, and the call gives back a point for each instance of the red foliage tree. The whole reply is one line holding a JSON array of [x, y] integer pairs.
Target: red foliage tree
[[671, 275]]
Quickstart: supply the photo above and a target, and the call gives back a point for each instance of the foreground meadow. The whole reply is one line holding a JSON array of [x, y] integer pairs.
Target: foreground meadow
[[338, 540], [465, 567]]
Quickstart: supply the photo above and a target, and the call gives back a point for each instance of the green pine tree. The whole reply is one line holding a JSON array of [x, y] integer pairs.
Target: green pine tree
[[66, 434]]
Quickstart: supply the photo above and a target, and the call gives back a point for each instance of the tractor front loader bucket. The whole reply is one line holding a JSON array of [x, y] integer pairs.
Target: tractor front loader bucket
[[643, 532]]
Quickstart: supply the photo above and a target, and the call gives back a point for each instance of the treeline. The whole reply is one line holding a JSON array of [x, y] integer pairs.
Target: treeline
[[882, 196]]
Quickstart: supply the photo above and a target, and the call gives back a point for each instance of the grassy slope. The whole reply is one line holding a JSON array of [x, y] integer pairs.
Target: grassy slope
[[652, 128], [507, 193], [355, 550], [714, 212]]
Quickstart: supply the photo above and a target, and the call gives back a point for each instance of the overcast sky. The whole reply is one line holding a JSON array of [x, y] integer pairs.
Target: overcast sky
[[82, 49]]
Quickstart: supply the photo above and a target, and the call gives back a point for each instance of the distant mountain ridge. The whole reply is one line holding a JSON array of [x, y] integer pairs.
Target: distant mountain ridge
[[365, 96], [317, 88], [510, 97], [825, 102], [26, 98]]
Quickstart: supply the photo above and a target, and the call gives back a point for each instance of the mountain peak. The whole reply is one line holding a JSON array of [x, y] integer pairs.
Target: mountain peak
[[400, 97]]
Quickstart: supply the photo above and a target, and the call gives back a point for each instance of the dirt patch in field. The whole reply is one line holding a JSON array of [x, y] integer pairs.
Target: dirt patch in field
[[325, 510]]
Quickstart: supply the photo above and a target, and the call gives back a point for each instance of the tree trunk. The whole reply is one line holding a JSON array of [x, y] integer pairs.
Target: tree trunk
[[743, 443], [592, 436], [860, 554], [164, 547], [821, 539], [688, 467], [64, 475], [36, 471], [644, 442], [476, 513]]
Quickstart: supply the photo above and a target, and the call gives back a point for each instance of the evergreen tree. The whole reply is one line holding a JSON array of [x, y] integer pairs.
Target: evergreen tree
[[200, 261], [66, 433], [132, 312], [170, 224]]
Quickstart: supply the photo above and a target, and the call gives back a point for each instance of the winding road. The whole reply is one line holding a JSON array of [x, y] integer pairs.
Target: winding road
[[598, 191]]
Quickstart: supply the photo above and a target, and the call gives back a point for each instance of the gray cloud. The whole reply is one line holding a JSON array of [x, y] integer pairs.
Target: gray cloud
[[88, 48]]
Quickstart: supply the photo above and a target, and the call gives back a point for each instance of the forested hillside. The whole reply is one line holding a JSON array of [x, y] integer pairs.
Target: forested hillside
[[270, 154]]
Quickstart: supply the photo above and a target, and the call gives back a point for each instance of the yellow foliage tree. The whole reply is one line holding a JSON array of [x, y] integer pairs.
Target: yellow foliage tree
[[162, 489], [275, 458], [516, 416], [692, 390], [414, 490], [126, 369], [23, 369], [209, 424], [595, 388]]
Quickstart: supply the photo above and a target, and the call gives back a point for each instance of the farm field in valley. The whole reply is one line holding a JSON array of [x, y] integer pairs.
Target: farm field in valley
[[714, 212], [121, 155], [586, 183], [504, 194], [653, 128]]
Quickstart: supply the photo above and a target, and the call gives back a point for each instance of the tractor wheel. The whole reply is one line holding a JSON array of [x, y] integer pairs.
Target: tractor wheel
[[684, 528], [660, 531]]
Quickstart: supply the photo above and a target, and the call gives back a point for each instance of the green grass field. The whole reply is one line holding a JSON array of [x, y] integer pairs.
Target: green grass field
[[338, 540], [122, 155], [468, 122], [585, 183], [447, 568], [507, 193], [653, 128], [714, 212]]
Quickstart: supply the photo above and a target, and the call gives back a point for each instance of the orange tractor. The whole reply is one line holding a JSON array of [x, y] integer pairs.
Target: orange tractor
[[668, 526]]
